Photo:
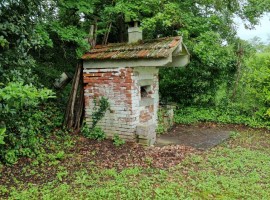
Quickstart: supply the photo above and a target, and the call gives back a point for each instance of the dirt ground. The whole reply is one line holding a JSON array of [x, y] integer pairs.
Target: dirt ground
[[169, 151]]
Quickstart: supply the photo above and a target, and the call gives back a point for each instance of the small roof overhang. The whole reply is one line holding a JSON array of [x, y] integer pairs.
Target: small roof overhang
[[162, 52]]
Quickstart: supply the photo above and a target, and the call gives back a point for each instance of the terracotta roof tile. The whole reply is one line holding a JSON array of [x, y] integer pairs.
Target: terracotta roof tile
[[159, 48]]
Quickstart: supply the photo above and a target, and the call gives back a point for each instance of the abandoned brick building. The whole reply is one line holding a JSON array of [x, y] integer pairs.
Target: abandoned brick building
[[127, 75]]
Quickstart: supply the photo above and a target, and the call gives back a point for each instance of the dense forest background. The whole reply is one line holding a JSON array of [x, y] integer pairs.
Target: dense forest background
[[228, 79]]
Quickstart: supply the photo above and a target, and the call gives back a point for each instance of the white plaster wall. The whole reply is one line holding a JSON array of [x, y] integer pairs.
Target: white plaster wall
[[148, 73]]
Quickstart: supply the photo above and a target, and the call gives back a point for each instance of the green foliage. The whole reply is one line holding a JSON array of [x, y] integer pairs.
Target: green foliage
[[234, 134], [256, 81], [232, 114], [165, 119], [2, 133], [16, 96], [117, 141], [212, 64], [95, 133], [71, 34], [238, 169], [24, 118], [160, 128], [20, 34], [99, 110]]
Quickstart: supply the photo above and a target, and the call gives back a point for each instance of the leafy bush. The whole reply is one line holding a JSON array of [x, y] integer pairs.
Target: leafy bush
[[256, 80], [95, 133], [24, 120], [212, 64], [230, 115]]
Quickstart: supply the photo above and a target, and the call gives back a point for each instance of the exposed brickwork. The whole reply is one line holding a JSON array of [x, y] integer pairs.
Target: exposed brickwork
[[146, 114], [122, 87]]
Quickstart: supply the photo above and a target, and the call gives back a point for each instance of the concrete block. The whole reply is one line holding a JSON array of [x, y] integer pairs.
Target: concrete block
[[146, 102], [147, 142], [145, 129], [145, 82]]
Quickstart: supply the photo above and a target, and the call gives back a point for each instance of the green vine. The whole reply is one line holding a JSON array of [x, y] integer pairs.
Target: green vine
[[100, 109]]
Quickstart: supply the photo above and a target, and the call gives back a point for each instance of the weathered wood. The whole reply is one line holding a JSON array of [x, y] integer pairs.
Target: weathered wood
[[75, 106], [79, 107], [93, 34]]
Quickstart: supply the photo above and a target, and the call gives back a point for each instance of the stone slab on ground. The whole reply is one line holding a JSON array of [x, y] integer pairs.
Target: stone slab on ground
[[199, 137]]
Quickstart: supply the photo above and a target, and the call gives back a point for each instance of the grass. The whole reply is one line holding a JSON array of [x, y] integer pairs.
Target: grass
[[237, 169]]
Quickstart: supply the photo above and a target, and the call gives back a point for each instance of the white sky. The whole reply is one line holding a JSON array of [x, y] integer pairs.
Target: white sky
[[262, 30]]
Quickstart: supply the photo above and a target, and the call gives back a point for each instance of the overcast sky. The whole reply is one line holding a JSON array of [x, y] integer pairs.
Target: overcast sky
[[262, 30]]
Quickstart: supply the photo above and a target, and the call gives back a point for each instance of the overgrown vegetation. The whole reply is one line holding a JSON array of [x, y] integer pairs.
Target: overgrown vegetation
[[93, 132], [227, 81], [238, 169], [246, 103], [165, 118], [99, 110], [22, 120]]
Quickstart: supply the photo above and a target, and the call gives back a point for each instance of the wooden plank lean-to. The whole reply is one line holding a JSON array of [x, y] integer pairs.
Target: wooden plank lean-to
[[74, 110]]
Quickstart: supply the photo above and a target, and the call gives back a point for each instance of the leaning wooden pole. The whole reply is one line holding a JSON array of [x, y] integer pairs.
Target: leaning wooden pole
[[75, 106]]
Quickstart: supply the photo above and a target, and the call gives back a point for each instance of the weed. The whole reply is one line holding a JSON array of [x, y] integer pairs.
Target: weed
[[238, 170], [94, 132], [117, 141], [3, 190], [61, 173], [234, 134], [148, 161]]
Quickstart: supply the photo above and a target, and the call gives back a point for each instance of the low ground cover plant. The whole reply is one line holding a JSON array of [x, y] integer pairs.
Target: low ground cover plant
[[237, 169]]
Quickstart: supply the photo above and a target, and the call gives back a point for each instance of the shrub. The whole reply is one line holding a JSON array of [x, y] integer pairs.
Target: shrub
[[232, 114], [24, 120], [256, 82], [95, 133]]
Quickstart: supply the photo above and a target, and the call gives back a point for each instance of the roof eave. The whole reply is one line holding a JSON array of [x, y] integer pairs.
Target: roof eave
[[150, 62]]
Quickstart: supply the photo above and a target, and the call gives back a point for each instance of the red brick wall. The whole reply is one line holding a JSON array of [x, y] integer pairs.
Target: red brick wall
[[118, 86], [121, 87]]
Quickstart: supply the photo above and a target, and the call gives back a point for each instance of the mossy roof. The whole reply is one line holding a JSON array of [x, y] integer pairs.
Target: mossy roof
[[158, 48]]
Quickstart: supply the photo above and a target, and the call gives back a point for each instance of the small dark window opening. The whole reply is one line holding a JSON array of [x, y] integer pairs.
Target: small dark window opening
[[144, 91]]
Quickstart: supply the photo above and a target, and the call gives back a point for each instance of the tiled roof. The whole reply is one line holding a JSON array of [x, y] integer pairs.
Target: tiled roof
[[159, 48]]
